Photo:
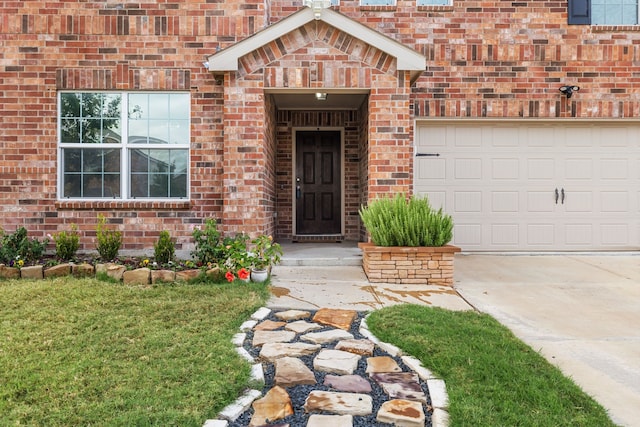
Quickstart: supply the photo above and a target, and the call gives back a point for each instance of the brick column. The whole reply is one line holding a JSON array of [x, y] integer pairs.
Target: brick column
[[390, 134], [244, 164]]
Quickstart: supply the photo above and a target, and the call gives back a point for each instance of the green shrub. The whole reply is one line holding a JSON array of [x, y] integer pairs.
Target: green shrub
[[401, 222], [16, 249], [164, 249], [67, 243], [208, 245], [109, 241]]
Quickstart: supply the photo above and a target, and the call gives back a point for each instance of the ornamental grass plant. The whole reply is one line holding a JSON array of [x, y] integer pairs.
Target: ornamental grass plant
[[398, 221]]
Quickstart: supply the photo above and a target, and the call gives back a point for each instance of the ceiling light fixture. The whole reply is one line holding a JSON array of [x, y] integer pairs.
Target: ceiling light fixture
[[317, 6], [321, 96]]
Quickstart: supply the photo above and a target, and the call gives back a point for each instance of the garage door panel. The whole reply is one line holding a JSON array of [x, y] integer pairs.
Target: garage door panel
[[541, 168], [615, 234], [506, 169], [540, 201], [467, 201], [614, 201], [614, 169], [505, 235], [505, 201], [578, 201], [579, 235], [468, 169], [431, 169], [579, 169], [499, 182], [540, 235], [468, 235]]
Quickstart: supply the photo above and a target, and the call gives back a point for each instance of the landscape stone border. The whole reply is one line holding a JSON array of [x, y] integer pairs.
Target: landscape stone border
[[436, 386]]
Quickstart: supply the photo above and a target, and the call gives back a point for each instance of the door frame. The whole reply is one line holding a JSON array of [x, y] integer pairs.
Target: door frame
[[294, 143]]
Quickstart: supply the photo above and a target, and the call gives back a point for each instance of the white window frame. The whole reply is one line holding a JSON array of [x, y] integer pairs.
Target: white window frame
[[386, 3], [616, 23], [125, 148]]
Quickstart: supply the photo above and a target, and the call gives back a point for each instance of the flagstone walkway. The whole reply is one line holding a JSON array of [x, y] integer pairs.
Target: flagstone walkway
[[325, 368]]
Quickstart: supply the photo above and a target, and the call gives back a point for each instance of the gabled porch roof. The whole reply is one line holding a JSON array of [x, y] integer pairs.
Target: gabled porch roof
[[407, 59]]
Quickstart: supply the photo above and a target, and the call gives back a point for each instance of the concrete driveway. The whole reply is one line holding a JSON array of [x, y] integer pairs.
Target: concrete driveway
[[582, 312]]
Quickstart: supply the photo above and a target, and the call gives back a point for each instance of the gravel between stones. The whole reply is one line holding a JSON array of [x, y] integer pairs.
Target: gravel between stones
[[299, 394]]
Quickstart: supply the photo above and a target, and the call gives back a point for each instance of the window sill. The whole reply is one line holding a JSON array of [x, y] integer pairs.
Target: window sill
[[435, 8], [378, 8], [615, 28], [122, 204]]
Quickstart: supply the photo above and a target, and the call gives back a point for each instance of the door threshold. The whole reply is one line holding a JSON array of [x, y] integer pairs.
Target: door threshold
[[317, 238]]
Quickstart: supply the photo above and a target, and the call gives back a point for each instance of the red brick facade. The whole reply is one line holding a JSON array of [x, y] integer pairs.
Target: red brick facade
[[491, 59]]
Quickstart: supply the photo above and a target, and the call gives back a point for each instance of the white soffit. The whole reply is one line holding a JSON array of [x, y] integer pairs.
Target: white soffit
[[407, 59]]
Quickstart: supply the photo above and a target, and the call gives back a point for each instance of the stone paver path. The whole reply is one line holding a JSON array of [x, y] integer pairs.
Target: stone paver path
[[326, 369]]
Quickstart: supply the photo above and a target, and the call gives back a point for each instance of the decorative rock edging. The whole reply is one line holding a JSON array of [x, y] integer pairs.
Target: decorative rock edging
[[436, 386], [138, 276]]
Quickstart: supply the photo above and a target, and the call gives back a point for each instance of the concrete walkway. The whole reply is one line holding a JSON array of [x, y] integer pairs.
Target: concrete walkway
[[582, 312]]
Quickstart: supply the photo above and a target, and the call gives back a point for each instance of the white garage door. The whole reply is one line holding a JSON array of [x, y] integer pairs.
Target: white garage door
[[534, 187]]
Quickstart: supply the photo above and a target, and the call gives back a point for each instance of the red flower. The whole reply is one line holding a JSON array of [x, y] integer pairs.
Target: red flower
[[230, 277], [243, 273]]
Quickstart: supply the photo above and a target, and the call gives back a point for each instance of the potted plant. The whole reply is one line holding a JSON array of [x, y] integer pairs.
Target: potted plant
[[266, 253], [409, 242]]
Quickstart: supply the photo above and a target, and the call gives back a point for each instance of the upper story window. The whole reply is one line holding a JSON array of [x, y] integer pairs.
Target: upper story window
[[603, 12], [614, 12], [377, 2], [123, 145]]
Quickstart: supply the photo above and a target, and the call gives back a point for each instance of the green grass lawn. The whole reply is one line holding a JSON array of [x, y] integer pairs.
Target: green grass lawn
[[89, 352], [492, 378], [86, 352]]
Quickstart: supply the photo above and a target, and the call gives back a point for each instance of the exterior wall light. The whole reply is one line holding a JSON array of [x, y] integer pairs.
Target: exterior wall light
[[321, 96], [568, 90], [317, 6]]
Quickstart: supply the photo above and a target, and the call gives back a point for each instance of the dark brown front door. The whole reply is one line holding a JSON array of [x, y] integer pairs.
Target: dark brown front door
[[318, 196]]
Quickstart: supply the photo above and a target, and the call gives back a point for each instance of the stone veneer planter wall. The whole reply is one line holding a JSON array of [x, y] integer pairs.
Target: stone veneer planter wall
[[408, 265]]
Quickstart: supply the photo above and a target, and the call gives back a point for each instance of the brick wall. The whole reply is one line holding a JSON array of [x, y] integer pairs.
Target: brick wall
[[484, 59]]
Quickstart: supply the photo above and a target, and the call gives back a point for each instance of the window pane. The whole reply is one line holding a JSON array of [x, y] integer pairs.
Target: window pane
[[158, 132], [138, 106], [179, 104], [139, 185], [70, 104], [158, 185], [72, 160], [159, 161], [179, 132], [179, 161], [159, 106], [70, 131], [71, 185], [178, 185], [91, 173]]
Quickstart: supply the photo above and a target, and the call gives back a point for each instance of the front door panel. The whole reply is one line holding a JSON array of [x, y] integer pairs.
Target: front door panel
[[318, 190]]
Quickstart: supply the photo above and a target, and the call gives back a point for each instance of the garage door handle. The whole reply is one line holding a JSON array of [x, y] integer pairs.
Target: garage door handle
[[557, 196], [427, 154], [562, 192]]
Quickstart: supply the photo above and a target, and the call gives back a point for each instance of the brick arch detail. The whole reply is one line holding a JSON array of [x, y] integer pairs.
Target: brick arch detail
[[312, 44]]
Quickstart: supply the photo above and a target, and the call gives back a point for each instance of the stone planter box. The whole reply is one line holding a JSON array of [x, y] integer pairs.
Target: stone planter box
[[408, 265]]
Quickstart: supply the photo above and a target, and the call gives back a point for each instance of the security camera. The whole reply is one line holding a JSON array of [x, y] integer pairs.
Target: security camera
[[568, 90]]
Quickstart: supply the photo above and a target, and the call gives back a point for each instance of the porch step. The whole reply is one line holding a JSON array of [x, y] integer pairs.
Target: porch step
[[321, 254]]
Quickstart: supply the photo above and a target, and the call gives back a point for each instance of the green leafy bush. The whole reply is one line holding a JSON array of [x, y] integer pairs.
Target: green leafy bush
[[109, 241], [16, 249], [400, 222], [164, 249], [208, 245], [67, 243]]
